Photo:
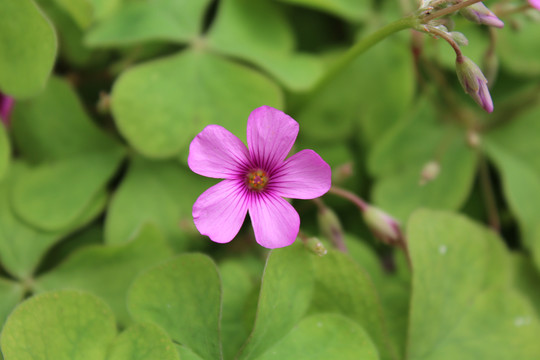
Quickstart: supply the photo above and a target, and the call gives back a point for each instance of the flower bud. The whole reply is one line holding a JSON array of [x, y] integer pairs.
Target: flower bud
[[473, 139], [6, 105], [459, 38], [103, 105], [480, 14], [316, 246], [342, 172], [383, 226], [474, 82], [329, 224], [430, 171]]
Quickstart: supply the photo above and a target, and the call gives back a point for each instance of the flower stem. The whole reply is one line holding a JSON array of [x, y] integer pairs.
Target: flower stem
[[352, 197], [449, 40], [364, 44], [448, 10]]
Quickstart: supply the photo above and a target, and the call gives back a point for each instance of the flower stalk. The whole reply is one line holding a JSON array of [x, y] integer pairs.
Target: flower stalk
[[383, 226], [363, 45]]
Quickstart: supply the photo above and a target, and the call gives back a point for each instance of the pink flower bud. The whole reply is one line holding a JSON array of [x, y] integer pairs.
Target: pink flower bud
[[383, 226], [474, 82], [480, 14]]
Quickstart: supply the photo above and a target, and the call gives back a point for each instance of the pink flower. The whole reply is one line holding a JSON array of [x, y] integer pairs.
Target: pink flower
[[535, 4], [6, 105], [255, 179]]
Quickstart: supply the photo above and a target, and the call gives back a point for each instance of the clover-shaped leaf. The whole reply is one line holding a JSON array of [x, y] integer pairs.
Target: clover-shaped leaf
[[461, 278], [160, 105], [108, 271], [27, 48]]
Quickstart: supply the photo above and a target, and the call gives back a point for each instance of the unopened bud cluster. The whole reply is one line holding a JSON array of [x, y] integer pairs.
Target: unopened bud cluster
[[469, 74]]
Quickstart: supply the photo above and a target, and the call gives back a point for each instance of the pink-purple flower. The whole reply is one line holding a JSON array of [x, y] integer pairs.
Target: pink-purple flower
[[535, 4], [256, 179], [6, 105]]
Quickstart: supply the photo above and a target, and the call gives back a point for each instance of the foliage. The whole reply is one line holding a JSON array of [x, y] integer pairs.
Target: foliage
[[99, 256]]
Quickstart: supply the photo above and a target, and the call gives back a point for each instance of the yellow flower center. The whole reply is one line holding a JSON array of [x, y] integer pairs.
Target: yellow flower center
[[256, 179]]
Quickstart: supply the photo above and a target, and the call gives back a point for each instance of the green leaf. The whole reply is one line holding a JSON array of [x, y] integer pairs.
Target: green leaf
[[79, 10], [385, 86], [70, 35], [462, 306], [521, 186], [105, 8], [342, 286], [59, 325], [371, 92], [514, 148], [162, 192], [5, 151], [71, 185], [54, 125], [183, 296], [322, 337], [143, 342], [237, 288], [286, 291], [23, 246], [397, 162], [353, 10], [26, 57], [366, 257], [213, 90], [526, 279], [518, 137], [258, 31], [393, 152], [108, 271], [158, 20], [186, 353], [10, 295], [516, 46]]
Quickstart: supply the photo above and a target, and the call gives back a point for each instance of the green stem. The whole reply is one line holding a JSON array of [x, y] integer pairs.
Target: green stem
[[445, 36], [364, 44], [448, 10]]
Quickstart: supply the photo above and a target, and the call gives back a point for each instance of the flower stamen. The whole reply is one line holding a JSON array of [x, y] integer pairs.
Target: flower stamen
[[256, 179]]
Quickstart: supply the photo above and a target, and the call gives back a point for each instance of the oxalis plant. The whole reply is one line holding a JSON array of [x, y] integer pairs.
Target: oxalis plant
[[138, 136]]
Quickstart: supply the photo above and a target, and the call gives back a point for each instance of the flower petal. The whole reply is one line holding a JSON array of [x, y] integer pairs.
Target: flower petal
[[304, 175], [275, 221], [220, 211], [270, 135], [216, 152]]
